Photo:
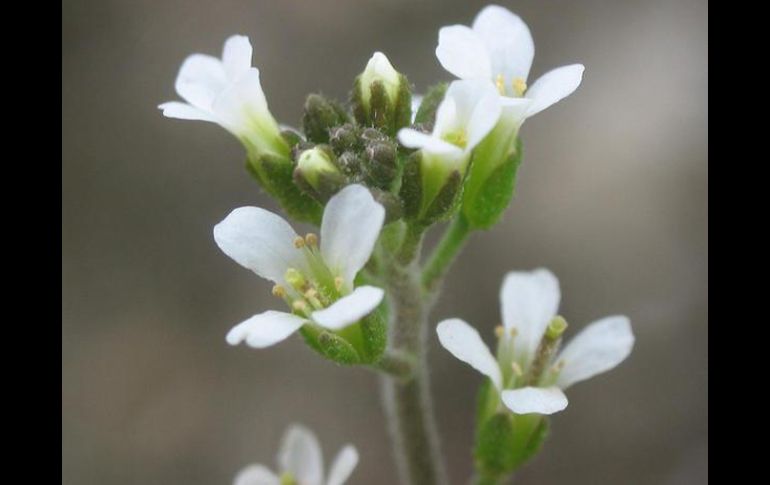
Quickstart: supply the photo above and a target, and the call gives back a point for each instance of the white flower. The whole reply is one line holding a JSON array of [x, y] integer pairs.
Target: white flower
[[468, 112], [227, 92], [380, 69], [300, 463], [529, 378], [314, 278], [499, 47]]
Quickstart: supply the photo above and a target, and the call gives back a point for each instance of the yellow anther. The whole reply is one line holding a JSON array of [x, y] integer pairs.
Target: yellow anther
[[311, 239], [457, 138], [311, 293], [557, 367], [338, 281], [517, 369], [519, 86], [513, 331], [500, 83], [299, 305], [299, 242], [499, 331], [279, 291]]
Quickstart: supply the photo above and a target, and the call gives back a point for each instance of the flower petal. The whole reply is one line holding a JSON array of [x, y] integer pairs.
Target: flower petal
[[554, 86], [601, 346], [508, 41], [343, 465], [184, 111], [486, 112], [265, 329], [236, 56], [243, 104], [465, 343], [349, 309], [260, 241], [200, 80], [538, 400], [256, 475], [530, 299], [462, 52], [411, 138], [350, 227], [300, 455]]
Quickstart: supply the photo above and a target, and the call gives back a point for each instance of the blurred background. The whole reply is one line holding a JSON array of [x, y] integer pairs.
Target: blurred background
[[612, 197]]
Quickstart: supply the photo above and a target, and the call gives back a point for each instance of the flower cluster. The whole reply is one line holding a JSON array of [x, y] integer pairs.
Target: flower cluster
[[373, 175]]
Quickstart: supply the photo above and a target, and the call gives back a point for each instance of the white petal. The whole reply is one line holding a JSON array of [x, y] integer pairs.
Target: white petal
[[200, 80], [343, 465], [350, 227], [446, 113], [508, 41], [464, 342], [598, 348], [411, 138], [538, 400], [256, 475], [349, 309], [184, 111], [416, 102], [462, 52], [236, 56], [486, 112], [260, 241], [265, 329], [300, 455], [554, 86], [243, 103], [529, 301]]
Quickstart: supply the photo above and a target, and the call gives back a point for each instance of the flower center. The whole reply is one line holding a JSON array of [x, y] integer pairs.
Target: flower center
[[310, 290], [518, 86], [457, 138], [288, 479]]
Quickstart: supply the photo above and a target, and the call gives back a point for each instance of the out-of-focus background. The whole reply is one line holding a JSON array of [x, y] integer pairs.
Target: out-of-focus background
[[612, 197]]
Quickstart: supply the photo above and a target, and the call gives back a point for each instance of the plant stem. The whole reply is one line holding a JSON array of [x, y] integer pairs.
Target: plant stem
[[407, 401], [446, 251]]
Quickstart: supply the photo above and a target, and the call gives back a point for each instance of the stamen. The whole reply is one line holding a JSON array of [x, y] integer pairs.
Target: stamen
[[299, 243], [338, 281], [513, 332], [295, 279], [500, 83], [517, 369], [499, 331], [279, 291], [299, 305], [311, 239], [519, 86]]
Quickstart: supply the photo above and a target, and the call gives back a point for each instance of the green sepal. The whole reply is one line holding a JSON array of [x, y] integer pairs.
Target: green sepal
[[445, 203], [276, 176], [426, 114], [495, 440], [330, 345], [402, 111], [374, 330], [485, 200], [411, 186]]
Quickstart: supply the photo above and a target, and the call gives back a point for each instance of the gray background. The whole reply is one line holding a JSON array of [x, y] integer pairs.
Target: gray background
[[612, 197]]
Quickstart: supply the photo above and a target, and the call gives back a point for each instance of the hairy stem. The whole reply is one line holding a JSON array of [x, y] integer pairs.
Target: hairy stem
[[407, 401], [446, 251]]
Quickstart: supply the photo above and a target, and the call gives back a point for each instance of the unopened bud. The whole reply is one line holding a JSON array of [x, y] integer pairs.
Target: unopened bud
[[316, 169], [321, 115], [381, 96]]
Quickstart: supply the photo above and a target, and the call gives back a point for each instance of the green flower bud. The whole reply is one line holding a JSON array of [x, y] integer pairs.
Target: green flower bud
[[317, 173], [350, 164], [382, 167], [321, 115], [430, 189], [381, 96], [344, 137]]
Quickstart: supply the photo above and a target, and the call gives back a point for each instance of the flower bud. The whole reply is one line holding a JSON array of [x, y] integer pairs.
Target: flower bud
[[382, 168], [343, 137], [275, 175], [321, 115], [381, 96], [316, 171]]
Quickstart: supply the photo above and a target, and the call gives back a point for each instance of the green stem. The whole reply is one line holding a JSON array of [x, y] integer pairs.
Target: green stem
[[396, 364], [407, 401], [446, 251]]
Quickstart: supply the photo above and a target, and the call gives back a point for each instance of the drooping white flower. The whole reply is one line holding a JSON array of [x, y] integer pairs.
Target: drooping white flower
[[468, 112], [314, 277], [499, 48], [300, 462], [227, 92], [528, 373]]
